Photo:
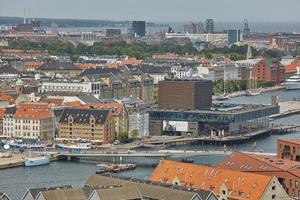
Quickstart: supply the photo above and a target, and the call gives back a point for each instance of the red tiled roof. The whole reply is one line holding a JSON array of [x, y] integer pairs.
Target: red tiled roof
[[33, 111], [241, 185]]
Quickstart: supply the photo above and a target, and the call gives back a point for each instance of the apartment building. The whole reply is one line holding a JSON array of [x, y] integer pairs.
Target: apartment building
[[91, 124], [288, 149], [34, 121]]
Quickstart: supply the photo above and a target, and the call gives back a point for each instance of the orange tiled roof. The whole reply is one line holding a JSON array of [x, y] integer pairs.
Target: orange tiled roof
[[33, 111], [241, 185], [53, 101], [73, 104], [292, 68], [252, 162], [85, 66], [117, 107]]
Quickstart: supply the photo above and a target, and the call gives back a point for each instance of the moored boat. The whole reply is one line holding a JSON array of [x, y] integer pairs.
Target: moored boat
[[36, 161], [293, 83]]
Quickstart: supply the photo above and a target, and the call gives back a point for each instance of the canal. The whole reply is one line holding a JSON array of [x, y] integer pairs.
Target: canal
[[15, 181]]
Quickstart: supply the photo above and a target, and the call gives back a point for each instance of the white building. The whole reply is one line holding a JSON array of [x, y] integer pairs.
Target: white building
[[181, 72], [8, 121], [140, 122], [76, 87], [220, 72]]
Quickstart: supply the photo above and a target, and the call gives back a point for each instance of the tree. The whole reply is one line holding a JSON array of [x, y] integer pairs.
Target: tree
[[134, 134], [123, 136]]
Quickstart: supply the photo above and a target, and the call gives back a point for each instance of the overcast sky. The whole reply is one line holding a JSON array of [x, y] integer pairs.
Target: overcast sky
[[157, 10]]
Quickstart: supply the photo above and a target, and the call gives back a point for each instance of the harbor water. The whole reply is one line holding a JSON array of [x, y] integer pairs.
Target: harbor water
[[15, 181]]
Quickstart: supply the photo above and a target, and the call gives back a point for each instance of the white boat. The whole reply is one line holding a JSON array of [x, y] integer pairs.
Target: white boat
[[223, 97], [293, 83], [252, 93], [77, 146], [36, 161]]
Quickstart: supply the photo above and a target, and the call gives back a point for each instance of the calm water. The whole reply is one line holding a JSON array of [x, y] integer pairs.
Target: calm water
[[15, 181]]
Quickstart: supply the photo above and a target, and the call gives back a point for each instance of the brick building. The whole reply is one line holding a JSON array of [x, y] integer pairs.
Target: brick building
[[288, 149], [269, 70], [91, 124], [185, 94], [287, 172]]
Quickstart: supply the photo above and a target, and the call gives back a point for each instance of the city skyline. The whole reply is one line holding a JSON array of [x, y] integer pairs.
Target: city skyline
[[156, 11]]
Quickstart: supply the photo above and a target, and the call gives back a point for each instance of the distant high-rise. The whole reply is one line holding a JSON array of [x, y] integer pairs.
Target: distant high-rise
[[209, 26], [246, 27], [138, 29], [234, 36], [194, 28]]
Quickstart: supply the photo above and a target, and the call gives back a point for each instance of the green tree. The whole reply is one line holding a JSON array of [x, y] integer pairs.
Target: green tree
[[123, 136], [134, 134]]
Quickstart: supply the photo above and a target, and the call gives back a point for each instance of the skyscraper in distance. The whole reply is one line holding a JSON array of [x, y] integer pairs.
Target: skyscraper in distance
[[138, 29], [209, 26]]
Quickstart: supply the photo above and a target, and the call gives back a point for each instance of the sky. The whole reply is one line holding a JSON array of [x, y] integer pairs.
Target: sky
[[157, 10]]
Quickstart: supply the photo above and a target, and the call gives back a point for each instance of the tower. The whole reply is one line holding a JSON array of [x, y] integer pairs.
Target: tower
[[209, 26], [249, 52], [246, 27]]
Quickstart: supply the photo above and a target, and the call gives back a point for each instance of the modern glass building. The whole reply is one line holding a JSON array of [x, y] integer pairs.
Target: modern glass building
[[234, 36], [229, 119]]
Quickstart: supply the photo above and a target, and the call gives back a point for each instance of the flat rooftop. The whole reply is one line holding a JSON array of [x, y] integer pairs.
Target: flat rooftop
[[221, 108]]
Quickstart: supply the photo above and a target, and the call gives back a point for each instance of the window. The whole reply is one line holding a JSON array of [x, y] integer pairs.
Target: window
[[223, 192], [273, 196], [273, 187]]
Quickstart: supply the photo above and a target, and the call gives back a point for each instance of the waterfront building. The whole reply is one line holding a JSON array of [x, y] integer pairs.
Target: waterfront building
[[102, 188], [189, 94], [209, 26], [269, 70], [90, 124], [138, 117], [288, 149], [31, 194], [70, 86], [34, 121], [2, 112], [8, 121], [226, 184], [234, 36], [287, 172]]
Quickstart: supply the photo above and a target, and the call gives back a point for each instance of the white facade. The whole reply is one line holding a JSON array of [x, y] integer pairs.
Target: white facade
[[80, 87], [8, 125], [157, 77], [181, 72], [140, 122]]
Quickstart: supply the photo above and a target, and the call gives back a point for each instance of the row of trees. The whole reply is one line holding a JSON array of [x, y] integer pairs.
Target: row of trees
[[235, 52], [125, 137], [138, 50], [237, 85]]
